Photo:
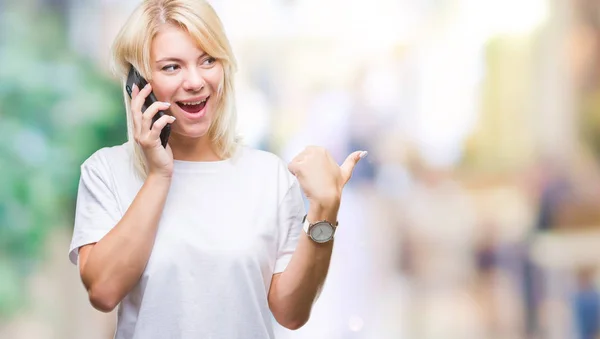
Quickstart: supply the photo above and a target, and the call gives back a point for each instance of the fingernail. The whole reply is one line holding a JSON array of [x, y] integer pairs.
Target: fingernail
[[363, 154], [167, 103], [173, 118]]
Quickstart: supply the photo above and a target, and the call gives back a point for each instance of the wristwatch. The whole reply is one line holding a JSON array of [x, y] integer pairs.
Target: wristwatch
[[320, 231]]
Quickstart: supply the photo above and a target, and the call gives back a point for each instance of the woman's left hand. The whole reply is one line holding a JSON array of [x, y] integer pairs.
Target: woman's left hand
[[320, 177]]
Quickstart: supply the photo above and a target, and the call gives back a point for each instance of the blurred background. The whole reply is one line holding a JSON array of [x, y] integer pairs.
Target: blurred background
[[475, 215]]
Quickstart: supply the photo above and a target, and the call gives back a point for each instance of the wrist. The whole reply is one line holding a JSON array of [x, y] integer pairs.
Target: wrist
[[160, 177], [326, 200], [324, 210]]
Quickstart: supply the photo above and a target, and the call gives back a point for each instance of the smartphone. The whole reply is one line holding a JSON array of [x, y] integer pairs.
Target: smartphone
[[134, 77]]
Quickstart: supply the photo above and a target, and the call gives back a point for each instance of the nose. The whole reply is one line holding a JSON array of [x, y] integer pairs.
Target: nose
[[193, 81]]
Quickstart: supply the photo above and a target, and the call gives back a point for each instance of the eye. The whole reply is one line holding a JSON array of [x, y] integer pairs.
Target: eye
[[170, 68], [209, 61]]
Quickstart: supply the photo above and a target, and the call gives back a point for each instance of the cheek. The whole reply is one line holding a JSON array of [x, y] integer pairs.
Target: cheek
[[215, 77], [164, 88]]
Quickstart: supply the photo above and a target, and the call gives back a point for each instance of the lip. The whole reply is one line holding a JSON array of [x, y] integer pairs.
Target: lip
[[193, 99], [194, 116]]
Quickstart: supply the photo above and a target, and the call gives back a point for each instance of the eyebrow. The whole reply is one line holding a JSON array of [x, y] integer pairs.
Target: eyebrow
[[177, 59]]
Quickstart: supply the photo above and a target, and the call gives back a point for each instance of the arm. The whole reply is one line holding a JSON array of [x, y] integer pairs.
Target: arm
[[294, 291], [111, 267]]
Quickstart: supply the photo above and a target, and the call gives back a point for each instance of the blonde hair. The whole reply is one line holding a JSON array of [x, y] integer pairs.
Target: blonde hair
[[197, 18]]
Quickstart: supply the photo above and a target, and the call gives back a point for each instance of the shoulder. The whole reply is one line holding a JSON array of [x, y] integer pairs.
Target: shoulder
[[109, 159]]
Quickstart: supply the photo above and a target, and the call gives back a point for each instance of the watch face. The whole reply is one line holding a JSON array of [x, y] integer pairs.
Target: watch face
[[321, 232]]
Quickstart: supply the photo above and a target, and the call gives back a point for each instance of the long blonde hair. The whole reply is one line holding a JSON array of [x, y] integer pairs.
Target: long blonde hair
[[198, 18]]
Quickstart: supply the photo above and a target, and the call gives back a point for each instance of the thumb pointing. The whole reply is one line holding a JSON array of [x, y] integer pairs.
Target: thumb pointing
[[348, 166]]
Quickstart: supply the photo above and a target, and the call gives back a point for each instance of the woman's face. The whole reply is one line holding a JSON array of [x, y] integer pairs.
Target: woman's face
[[186, 77]]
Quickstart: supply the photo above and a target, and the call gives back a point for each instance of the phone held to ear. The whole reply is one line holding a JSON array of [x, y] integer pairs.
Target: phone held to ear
[[135, 78]]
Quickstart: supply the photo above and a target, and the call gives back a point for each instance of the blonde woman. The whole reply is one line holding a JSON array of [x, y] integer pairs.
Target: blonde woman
[[203, 238]]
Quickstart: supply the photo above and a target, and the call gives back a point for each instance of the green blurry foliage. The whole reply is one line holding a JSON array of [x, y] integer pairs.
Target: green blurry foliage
[[56, 109]]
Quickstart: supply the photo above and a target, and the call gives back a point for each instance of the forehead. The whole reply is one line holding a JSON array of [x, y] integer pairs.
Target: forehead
[[172, 41]]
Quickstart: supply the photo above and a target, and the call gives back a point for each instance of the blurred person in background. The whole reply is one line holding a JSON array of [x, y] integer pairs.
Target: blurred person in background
[[202, 238], [554, 190], [586, 304]]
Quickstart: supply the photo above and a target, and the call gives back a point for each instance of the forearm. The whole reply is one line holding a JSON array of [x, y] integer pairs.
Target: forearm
[[300, 284], [116, 262]]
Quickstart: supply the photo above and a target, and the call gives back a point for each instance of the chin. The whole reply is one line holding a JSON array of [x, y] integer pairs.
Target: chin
[[195, 132]]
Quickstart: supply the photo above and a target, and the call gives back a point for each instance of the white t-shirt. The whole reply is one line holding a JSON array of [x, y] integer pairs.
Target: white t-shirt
[[226, 228]]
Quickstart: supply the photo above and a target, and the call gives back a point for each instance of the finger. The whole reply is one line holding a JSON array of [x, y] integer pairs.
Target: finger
[[159, 125], [134, 91], [349, 164], [136, 112], [136, 116], [151, 112], [292, 167], [295, 167], [137, 101]]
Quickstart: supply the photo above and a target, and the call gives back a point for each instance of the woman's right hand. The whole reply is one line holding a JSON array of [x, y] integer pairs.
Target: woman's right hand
[[159, 159]]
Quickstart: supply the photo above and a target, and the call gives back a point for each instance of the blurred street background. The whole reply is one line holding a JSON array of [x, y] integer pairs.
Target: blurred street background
[[476, 214]]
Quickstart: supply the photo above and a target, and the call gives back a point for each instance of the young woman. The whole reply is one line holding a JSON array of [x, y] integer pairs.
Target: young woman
[[205, 238]]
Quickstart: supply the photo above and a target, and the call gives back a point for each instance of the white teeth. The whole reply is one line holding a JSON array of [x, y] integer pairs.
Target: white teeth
[[193, 103]]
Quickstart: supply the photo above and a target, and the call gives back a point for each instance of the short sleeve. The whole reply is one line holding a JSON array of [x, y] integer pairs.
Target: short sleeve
[[291, 211], [96, 211]]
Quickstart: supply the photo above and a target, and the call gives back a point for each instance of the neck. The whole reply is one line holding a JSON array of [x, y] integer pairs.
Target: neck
[[192, 149]]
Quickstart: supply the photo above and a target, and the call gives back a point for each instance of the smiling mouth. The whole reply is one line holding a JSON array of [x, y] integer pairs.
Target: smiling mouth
[[193, 107]]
